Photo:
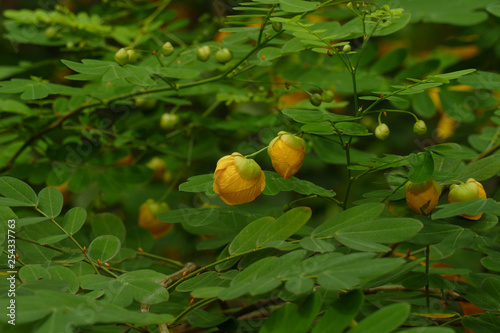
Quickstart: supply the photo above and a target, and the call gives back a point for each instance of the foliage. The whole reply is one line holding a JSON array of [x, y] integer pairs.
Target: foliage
[[111, 111]]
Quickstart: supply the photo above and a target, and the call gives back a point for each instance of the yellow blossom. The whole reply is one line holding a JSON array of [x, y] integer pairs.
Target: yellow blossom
[[147, 218], [287, 154], [422, 196], [238, 180], [469, 190]]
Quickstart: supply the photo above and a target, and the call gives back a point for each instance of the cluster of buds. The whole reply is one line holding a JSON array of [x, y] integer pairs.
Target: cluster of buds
[[423, 197], [238, 179]]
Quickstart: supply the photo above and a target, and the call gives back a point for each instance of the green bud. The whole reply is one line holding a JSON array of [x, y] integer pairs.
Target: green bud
[[247, 168], [50, 32], [133, 56], [277, 26], [223, 55], [419, 128], [327, 96], [346, 48], [382, 131], [203, 53], [121, 57], [316, 99], [167, 49], [168, 121]]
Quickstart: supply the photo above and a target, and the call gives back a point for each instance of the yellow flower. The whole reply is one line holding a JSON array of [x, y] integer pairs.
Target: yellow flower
[[469, 190], [238, 180], [422, 196], [287, 153], [147, 218]]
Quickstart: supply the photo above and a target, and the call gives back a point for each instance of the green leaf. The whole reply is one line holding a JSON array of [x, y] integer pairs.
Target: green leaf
[[33, 273], [459, 240], [384, 320], [52, 239], [104, 248], [423, 105], [476, 296], [478, 325], [108, 224], [293, 318], [316, 245], [335, 281], [208, 279], [338, 316], [354, 129], [299, 285], [80, 180], [50, 201], [193, 217], [482, 169], [205, 319], [471, 207], [348, 217], [422, 167], [319, 128], [19, 191], [199, 183], [247, 239], [482, 80], [389, 61], [387, 230], [428, 330], [297, 6], [452, 150], [285, 226], [65, 274], [74, 219], [275, 184]]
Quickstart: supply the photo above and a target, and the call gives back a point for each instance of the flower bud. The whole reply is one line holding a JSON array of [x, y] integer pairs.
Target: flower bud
[[316, 99], [419, 128], [346, 48], [223, 55], [51, 32], [168, 121], [133, 56], [382, 131], [467, 191], [203, 53], [158, 166], [277, 26], [121, 57], [422, 197], [238, 180], [167, 49], [147, 217], [327, 96], [287, 154]]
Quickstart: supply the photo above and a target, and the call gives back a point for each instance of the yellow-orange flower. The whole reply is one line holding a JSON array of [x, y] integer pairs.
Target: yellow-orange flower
[[238, 180], [469, 190], [422, 197], [287, 154], [147, 218]]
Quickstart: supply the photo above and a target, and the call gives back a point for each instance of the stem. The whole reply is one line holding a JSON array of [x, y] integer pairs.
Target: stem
[[427, 255], [173, 285], [172, 262], [194, 306], [256, 153], [74, 241]]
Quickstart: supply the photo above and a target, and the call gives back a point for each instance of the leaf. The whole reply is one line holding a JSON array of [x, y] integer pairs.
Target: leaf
[[293, 318], [384, 320], [354, 129], [285, 226], [340, 314], [17, 190], [52, 239], [348, 217], [482, 80], [33, 273], [65, 274], [387, 230], [476, 296], [297, 6], [471, 207], [452, 150], [247, 239], [50, 201], [299, 285], [482, 169], [316, 245], [205, 319], [275, 184], [199, 183], [74, 219], [479, 326], [104, 248], [422, 167], [108, 224], [389, 61]]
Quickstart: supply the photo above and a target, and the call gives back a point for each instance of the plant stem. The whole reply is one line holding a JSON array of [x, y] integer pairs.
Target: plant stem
[[192, 307], [427, 262], [175, 263]]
